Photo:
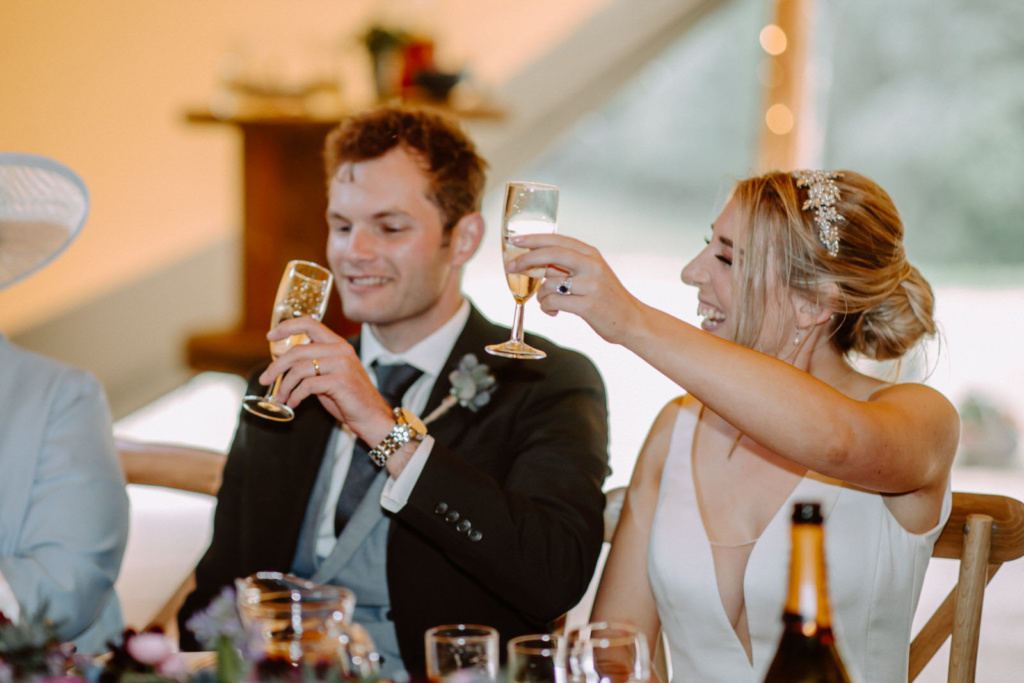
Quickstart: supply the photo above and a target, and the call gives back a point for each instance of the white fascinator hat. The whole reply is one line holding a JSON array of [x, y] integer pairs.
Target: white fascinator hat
[[43, 205]]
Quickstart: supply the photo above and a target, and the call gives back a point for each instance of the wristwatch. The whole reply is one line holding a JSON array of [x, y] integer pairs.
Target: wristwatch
[[408, 428]]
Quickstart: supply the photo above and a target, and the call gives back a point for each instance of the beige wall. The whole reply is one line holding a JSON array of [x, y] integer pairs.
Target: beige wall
[[103, 86]]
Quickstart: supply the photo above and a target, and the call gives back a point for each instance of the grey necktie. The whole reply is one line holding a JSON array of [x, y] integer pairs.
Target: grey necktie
[[392, 382]]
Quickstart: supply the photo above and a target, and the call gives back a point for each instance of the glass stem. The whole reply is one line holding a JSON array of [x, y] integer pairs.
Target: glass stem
[[272, 390], [517, 323]]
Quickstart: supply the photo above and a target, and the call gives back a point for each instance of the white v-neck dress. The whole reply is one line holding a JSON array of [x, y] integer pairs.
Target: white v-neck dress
[[875, 571]]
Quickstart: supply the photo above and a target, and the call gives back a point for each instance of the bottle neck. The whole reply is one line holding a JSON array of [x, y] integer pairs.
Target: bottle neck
[[807, 608]]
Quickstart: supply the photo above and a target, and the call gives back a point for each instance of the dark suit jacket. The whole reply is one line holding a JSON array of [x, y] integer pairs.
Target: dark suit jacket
[[525, 471]]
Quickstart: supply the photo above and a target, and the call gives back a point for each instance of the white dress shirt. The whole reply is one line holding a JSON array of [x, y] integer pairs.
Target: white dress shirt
[[429, 355]]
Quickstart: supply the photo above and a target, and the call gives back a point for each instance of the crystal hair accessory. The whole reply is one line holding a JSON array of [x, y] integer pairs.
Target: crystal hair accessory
[[822, 195]]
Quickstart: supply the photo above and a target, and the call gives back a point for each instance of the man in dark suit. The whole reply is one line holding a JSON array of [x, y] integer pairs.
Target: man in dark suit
[[491, 513]]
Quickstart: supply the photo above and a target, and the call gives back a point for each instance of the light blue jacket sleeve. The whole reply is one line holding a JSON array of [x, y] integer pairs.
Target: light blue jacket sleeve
[[63, 505]]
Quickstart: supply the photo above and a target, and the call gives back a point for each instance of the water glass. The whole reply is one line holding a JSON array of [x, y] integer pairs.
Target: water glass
[[534, 659], [464, 651], [604, 652]]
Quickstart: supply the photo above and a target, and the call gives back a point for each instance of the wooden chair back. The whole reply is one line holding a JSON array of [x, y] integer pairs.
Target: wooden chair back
[[983, 532], [174, 467]]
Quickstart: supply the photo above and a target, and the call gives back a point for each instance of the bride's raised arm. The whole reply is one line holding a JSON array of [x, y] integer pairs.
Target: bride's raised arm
[[782, 313]]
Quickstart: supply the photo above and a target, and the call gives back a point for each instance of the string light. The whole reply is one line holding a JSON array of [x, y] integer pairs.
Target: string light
[[773, 40], [779, 119]]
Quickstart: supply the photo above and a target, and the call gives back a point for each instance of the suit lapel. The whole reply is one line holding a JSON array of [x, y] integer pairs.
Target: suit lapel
[[478, 333]]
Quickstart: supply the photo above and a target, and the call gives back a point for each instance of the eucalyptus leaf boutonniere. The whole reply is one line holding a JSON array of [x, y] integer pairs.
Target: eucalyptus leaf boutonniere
[[472, 386]]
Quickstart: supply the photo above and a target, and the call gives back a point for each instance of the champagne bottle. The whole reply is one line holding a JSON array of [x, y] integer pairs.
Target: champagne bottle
[[807, 651]]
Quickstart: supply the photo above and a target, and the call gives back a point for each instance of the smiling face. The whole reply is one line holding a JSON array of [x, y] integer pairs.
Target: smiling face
[[714, 273], [711, 272], [394, 265]]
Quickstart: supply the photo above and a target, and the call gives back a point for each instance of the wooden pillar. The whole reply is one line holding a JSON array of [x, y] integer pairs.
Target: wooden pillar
[[789, 128]]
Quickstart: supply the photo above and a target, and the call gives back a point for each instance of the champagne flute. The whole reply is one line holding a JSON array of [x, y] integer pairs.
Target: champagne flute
[[530, 208], [605, 652], [304, 290]]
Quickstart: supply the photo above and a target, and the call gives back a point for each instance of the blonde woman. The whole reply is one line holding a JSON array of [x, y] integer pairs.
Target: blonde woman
[[801, 272]]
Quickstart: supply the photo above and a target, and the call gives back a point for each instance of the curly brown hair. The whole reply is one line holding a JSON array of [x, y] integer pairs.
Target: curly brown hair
[[457, 173]]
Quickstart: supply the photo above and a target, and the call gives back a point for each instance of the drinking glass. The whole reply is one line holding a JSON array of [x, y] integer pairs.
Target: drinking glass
[[534, 659], [294, 621], [604, 652], [530, 208], [467, 650], [304, 290]]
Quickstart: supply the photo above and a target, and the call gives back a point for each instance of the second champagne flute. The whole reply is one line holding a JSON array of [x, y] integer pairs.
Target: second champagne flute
[[304, 290], [530, 208]]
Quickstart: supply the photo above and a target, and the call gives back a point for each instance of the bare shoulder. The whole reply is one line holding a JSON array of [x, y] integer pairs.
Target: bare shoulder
[[930, 426], [649, 466], [925, 408]]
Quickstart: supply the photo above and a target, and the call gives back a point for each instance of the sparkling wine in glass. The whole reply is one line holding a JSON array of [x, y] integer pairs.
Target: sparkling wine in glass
[[530, 208], [304, 290]]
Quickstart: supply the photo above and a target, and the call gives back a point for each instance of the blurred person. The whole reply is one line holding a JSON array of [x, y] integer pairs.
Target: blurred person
[[63, 506], [802, 272], [492, 512]]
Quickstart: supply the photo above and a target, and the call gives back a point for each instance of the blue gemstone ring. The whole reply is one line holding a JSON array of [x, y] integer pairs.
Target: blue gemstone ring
[[565, 287]]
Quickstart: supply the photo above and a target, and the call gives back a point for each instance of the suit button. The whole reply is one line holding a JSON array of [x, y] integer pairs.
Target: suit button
[[441, 508], [452, 517], [463, 526], [475, 535]]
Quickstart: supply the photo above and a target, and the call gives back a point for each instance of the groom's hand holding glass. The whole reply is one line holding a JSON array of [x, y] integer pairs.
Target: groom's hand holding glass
[[329, 368]]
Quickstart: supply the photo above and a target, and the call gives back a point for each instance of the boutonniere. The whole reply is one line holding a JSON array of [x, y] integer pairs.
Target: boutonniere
[[472, 386]]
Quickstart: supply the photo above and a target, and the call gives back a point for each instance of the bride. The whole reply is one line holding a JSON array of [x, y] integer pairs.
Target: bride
[[801, 273]]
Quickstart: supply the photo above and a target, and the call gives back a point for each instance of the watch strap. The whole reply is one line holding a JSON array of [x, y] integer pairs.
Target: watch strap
[[399, 435]]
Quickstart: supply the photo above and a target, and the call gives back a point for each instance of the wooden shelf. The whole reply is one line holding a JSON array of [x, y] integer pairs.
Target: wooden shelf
[[284, 207]]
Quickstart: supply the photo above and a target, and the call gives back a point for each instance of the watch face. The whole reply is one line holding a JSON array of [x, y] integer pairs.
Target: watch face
[[415, 423]]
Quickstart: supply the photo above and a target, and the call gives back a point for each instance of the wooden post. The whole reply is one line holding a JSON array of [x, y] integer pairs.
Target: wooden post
[[963, 654], [789, 126]]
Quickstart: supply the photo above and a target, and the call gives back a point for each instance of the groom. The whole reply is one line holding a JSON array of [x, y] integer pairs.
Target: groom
[[491, 512]]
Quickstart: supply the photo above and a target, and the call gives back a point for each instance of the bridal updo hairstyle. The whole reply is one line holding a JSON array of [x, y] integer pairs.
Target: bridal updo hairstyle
[[883, 305]]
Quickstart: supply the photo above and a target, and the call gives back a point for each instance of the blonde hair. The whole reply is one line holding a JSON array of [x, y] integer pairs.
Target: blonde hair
[[884, 305]]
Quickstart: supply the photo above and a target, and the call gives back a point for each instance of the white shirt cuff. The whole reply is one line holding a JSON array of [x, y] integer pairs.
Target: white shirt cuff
[[8, 603], [397, 491]]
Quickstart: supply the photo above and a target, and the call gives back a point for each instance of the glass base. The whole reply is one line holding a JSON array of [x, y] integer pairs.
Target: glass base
[[268, 408], [514, 349]]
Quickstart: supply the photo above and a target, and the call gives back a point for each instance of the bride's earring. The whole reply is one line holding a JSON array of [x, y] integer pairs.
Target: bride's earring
[[796, 341]]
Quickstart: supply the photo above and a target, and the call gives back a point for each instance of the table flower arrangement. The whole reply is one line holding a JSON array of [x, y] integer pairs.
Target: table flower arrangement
[[31, 651]]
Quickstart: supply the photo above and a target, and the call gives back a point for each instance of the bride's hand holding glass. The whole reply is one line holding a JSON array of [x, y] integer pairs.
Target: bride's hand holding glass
[[529, 208], [578, 280]]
